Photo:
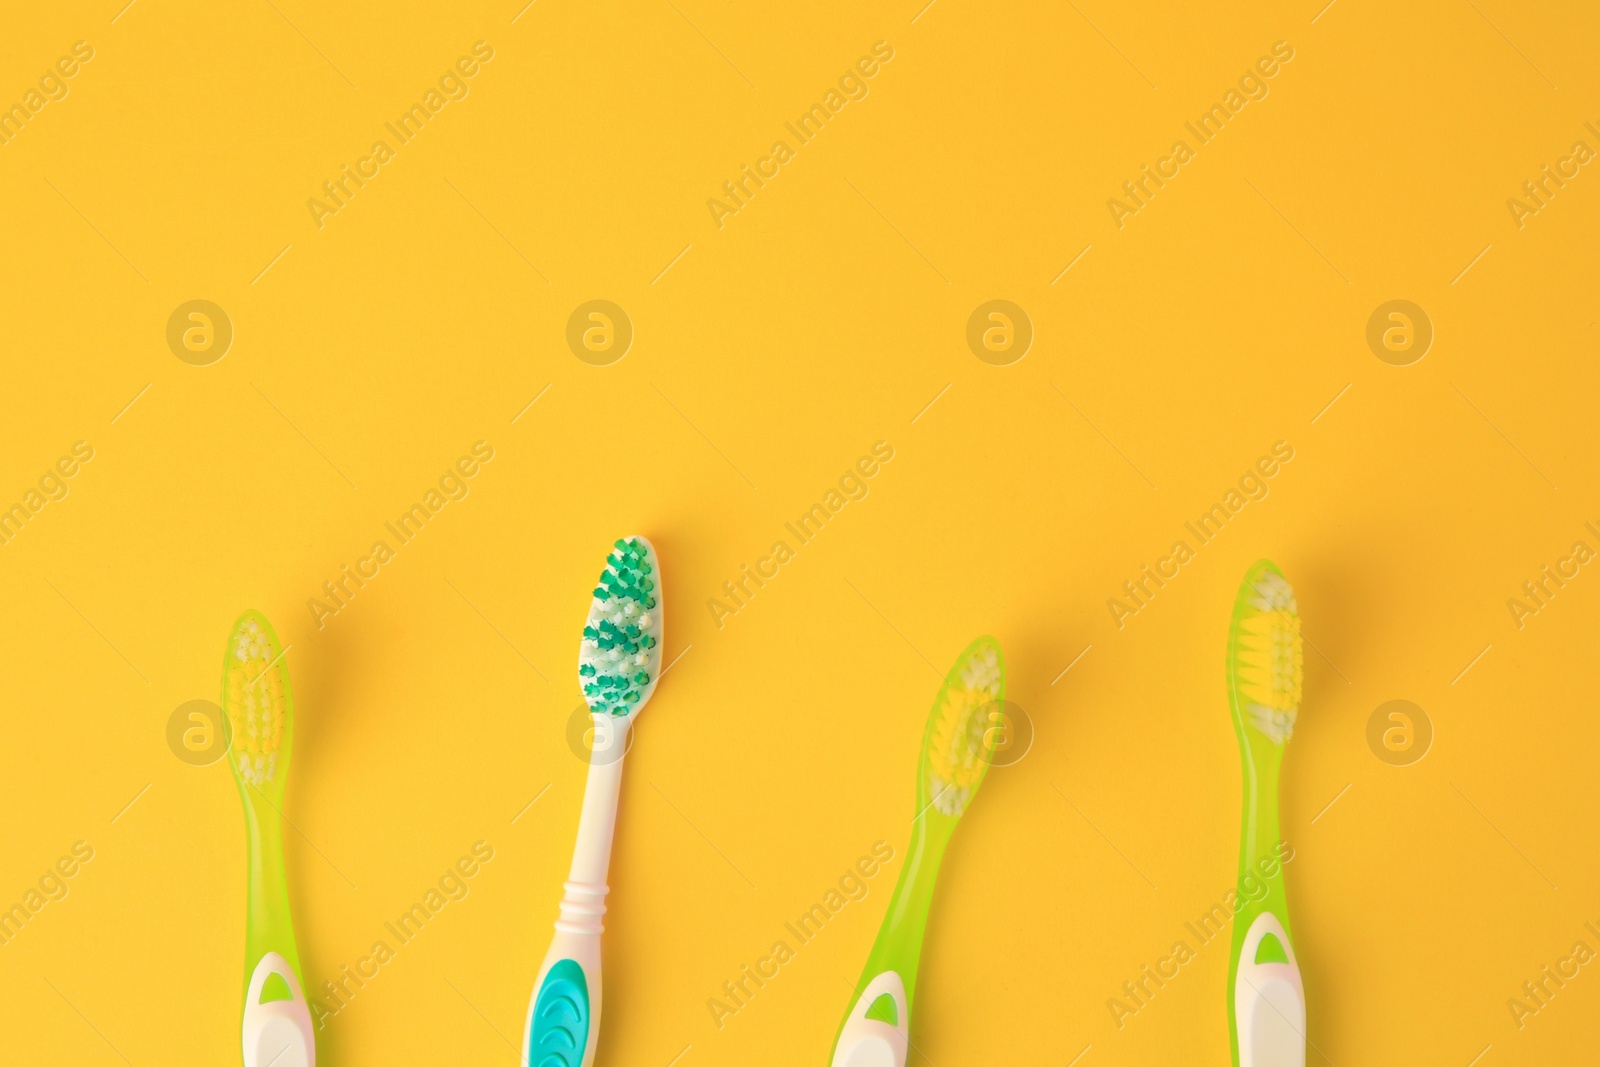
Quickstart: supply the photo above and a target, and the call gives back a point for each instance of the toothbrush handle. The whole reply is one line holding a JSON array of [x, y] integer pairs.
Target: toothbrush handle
[[591, 854], [269, 927], [1269, 999], [277, 1031], [564, 1013], [877, 1028], [898, 948], [1266, 998]]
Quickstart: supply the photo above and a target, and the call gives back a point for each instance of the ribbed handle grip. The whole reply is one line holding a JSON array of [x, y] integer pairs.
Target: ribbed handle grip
[[583, 904]]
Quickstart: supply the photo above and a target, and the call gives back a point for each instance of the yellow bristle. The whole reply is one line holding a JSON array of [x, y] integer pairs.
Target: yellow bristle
[[1268, 655], [959, 736], [1270, 660], [255, 698]]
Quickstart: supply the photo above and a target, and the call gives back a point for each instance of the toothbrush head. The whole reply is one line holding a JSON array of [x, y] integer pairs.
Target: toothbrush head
[[619, 660], [257, 701], [959, 742], [1265, 653]]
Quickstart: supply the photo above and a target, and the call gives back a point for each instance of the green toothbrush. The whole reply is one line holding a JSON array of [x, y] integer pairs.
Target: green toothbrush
[[276, 1028], [957, 745], [1266, 999]]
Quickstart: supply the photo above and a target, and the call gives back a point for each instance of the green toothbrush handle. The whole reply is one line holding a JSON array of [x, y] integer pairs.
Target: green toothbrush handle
[[899, 944], [876, 1030], [1260, 885], [269, 927], [276, 1027], [1266, 997]]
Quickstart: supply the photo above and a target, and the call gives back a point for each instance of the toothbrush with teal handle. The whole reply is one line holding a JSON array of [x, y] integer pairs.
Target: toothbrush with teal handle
[[619, 664], [276, 1025], [1266, 998], [957, 746]]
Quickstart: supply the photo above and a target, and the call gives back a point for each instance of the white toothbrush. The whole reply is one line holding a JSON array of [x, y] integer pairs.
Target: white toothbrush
[[618, 666]]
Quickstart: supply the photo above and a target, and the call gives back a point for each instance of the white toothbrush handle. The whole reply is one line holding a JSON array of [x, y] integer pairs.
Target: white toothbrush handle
[[1269, 1001], [875, 1042], [278, 1032], [564, 1013]]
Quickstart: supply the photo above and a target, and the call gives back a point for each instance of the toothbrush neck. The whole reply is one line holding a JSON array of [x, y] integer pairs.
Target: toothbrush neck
[[1261, 803], [1260, 837], [591, 856], [583, 900], [269, 928], [899, 944]]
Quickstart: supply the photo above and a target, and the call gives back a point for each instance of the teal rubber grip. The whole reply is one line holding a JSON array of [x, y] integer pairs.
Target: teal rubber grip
[[559, 1029]]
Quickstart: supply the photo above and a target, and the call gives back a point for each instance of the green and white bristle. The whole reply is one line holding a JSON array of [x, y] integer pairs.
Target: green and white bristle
[[620, 658]]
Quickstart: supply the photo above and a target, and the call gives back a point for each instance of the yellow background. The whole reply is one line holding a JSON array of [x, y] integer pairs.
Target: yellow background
[[823, 317]]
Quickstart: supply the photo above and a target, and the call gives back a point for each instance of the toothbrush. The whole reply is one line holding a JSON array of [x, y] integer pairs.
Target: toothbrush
[[1266, 999], [276, 1028], [957, 745], [618, 667]]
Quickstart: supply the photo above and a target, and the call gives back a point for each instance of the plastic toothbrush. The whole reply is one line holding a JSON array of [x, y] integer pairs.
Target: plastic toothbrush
[[1266, 999], [957, 746], [276, 1027], [618, 667]]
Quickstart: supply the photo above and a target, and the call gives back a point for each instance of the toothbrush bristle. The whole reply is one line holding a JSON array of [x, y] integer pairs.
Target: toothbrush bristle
[[961, 730], [255, 694], [1269, 655], [621, 651]]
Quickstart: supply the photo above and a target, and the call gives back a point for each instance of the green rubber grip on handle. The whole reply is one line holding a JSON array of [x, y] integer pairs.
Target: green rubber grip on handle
[[558, 1022]]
